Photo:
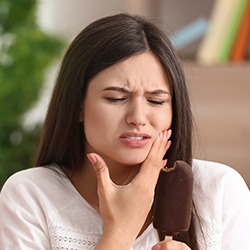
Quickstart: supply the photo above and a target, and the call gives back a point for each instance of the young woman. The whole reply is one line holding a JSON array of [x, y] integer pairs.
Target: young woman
[[119, 112]]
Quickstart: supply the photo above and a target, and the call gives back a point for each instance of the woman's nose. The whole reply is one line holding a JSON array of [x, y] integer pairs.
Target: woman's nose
[[136, 114]]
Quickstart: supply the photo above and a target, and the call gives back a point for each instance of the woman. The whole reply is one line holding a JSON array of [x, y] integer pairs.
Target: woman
[[119, 97]]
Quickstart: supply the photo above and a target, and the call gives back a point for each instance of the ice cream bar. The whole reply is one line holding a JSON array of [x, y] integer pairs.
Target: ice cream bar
[[173, 199]]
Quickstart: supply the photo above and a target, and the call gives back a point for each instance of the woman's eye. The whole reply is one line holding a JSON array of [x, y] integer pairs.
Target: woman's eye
[[156, 102], [111, 99]]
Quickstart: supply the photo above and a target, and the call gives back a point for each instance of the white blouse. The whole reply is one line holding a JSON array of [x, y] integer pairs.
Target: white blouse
[[41, 210]]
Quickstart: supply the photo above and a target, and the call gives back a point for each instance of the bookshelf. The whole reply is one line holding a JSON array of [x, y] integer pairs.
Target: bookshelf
[[214, 45]]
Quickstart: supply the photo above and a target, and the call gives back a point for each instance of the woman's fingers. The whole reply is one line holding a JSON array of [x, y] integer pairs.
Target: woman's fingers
[[158, 150], [152, 165]]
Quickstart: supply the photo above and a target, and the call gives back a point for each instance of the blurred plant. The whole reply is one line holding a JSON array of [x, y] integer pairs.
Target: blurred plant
[[25, 54]]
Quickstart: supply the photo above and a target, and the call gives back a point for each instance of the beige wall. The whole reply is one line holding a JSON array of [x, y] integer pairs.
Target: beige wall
[[220, 97]]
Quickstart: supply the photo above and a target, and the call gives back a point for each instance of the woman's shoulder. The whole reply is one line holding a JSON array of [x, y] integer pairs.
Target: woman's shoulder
[[45, 189], [210, 166], [38, 179], [215, 181], [34, 174], [222, 201], [208, 172]]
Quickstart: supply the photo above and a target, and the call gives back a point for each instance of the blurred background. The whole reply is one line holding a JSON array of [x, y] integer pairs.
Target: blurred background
[[35, 33]]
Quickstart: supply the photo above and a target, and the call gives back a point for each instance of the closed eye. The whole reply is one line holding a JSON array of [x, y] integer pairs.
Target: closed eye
[[111, 99], [156, 102]]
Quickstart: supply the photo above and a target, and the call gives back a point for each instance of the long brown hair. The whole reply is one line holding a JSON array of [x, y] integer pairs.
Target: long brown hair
[[100, 45]]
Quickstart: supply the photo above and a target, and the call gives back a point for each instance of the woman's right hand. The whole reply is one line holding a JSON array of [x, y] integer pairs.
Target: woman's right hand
[[124, 209]]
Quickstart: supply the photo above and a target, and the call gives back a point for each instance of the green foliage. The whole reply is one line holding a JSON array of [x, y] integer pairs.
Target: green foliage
[[25, 54]]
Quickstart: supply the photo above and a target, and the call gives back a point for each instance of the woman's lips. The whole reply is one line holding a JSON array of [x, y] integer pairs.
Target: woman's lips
[[135, 140]]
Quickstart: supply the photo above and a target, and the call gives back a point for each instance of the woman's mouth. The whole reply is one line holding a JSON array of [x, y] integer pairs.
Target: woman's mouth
[[135, 137], [135, 140]]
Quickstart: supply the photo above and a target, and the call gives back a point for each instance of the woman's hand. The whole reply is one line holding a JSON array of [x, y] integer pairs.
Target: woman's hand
[[170, 244], [124, 209]]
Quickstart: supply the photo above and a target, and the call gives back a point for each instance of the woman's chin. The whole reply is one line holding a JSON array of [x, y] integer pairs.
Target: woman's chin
[[130, 161]]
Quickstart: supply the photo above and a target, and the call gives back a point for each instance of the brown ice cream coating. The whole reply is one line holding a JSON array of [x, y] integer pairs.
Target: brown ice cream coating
[[173, 199]]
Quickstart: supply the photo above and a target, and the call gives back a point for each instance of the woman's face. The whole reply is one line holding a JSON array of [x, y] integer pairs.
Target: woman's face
[[126, 106]]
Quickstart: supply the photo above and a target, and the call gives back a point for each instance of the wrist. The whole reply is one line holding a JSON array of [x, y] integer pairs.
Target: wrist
[[113, 239]]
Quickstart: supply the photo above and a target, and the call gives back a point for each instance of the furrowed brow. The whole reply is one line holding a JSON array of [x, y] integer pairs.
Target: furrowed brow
[[114, 88], [158, 92]]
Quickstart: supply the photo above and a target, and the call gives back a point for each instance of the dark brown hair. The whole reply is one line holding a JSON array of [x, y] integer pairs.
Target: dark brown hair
[[103, 43]]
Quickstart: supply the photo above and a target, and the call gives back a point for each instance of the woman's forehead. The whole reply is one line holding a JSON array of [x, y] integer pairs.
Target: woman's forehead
[[142, 70]]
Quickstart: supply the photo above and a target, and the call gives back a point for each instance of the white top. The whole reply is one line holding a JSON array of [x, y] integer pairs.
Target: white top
[[41, 209]]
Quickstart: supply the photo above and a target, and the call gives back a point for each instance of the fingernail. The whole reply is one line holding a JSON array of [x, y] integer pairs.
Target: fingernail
[[92, 158], [161, 135], [169, 133], [164, 162], [168, 144], [166, 135]]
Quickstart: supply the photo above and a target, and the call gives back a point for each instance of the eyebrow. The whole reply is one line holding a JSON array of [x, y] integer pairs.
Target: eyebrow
[[114, 88], [158, 91], [124, 90]]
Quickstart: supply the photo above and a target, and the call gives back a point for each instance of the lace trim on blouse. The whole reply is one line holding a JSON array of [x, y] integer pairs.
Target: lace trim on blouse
[[68, 239]]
